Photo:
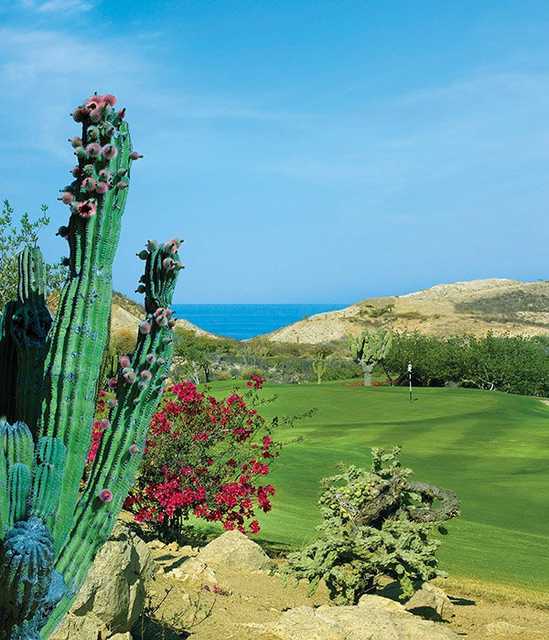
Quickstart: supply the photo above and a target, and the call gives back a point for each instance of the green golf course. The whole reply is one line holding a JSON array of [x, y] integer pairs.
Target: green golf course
[[489, 447]]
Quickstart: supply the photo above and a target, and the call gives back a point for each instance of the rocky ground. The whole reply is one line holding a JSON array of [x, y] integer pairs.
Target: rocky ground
[[230, 590]]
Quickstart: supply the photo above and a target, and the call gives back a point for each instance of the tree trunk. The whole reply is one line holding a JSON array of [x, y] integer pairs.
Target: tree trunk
[[367, 370]]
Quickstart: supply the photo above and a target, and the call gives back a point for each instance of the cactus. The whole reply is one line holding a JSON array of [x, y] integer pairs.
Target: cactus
[[320, 366], [52, 526], [369, 349]]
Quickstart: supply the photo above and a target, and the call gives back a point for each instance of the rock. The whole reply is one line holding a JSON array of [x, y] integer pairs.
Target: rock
[[194, 573], [430, 602], [372, 620], [234, 550], [113, 595], [381, 604]]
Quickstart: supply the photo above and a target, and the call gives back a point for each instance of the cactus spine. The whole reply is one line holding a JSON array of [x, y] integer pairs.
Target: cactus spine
[[50, 527]]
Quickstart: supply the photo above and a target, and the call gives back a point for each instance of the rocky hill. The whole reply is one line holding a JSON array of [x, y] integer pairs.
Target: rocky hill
[[475, 307]]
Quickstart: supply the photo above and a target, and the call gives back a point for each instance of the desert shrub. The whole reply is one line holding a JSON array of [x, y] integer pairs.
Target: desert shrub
[[375, 523], [205, 457], [508, 363]]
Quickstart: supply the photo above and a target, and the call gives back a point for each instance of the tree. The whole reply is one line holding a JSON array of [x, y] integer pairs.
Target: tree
[[370, 349], [16, 236]]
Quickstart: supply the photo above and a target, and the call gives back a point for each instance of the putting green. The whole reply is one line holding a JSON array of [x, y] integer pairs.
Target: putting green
[[489, 447]]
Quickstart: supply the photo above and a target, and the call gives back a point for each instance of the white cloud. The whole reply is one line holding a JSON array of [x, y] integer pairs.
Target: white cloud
[[57, 6]]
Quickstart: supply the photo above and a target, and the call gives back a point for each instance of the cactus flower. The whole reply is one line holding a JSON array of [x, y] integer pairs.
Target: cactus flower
[[87, 209], [96, 114], [146, 375], [124, 361]]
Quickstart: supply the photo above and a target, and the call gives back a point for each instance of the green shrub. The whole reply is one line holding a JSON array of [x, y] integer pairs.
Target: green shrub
[[375, 523]]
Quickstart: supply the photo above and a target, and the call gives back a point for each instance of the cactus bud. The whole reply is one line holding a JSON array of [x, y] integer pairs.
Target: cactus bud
[[66, 197], [102, 187], [122, 113], [151, 359], [96, 114], [93, 133], [152, 245], [89, 184], [80, 153], [133, 450], [145, 327], [63, 231], [93, 150], [76, 171], [124, 361], [105, 495], [79, 114], [129, 376], [123, 184], [141, 289], [109, 151], [88, 170], [112, 383], [143, 254], [112, 403], [76, 141], [146, 375], [134, 155]]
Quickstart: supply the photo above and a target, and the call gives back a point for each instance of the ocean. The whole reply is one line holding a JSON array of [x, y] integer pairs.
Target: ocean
[[243, 321]]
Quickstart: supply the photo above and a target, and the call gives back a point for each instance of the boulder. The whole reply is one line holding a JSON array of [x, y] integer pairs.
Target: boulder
[[430, 602], [194, 573], [234, 550], [113, 595], [372, 620]]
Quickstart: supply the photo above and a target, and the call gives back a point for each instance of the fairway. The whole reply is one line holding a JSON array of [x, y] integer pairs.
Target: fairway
[[489, 447]]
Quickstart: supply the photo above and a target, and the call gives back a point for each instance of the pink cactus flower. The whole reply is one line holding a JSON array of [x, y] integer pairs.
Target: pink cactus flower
[[93, 150], [87, 209], [109, 151], [124, 361], [66, 197], [134, 449], [146, 375], [113, 383], [151, 358], [89, 184], [105, 495], [96, 115], [134, 155], [109, 99], [102, 187], [168, 264]]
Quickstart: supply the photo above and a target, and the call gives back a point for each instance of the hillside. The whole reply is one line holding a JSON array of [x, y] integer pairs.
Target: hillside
[[475, 307], [126, 315]]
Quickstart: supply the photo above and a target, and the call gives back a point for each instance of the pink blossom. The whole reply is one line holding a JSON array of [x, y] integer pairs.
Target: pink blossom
[[87, 209], [105, 495], [109, 151]]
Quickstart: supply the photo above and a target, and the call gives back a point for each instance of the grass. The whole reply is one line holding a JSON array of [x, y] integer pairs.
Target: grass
[[491, 448]]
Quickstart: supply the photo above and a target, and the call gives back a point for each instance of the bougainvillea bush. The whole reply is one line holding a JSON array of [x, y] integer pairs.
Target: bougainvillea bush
[[205, 457]]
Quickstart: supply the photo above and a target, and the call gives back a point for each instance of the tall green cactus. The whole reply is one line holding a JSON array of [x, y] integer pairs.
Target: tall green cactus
[[369, 349], [50, 526]]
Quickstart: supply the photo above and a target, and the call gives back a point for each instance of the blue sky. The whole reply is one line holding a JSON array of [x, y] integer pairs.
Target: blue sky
[[307, 151]]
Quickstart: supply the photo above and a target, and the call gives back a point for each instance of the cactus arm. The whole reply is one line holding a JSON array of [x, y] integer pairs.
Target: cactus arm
[[79, 334], [139, 388], [29, 325]]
